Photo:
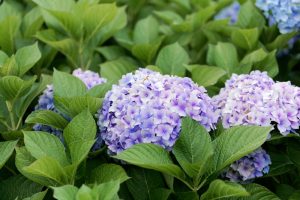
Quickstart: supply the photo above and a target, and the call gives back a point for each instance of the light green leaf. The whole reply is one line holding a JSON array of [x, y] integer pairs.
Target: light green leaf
[[79, 136], [66, 85], [106, 191], [37, 196], [193, 149], [245, 38], [151, 156], [219, 189], [9, 28], [269, 64], [47, 117], [32, 22], [27, 57], [6, 149], [223, 55], [108, 172], [281, 41], [236, 142], [100, 90], [171, 59], [257, 192], [50, 168], [146, 31], [250, 17], [254, 57], [65, 192], [113, 70], [41, 144], [206, 75]]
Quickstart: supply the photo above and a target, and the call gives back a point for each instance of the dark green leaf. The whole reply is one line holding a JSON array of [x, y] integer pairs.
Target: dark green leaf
[[6, 149]]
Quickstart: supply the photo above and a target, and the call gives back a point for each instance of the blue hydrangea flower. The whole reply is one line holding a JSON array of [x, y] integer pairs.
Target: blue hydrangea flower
[[285, 13], [46, 102], [231, 12], [249, 167], [146, 107]]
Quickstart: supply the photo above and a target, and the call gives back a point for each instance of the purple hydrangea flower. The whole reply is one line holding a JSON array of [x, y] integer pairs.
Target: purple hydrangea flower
[[285, 13], [249, 167], [231, 12], [146, 107], [46, 102]]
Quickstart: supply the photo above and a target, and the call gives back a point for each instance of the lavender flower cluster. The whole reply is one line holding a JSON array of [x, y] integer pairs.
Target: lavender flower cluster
[[255, 99], [146, 107], [46, 102], [230, 12], [285, 13], [249, 167]]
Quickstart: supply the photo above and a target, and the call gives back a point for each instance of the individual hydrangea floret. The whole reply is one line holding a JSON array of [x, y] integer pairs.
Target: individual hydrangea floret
[[146, 107], [249, 167], [285, 13], [46, 101], [231, 12]]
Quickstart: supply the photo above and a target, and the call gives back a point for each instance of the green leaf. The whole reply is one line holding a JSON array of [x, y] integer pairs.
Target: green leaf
[[223, 55], [146, 31], [236, 142], [160, 193], [9, 28], [47, 117], [245, 38], [108, 172], [12, 87], [151, 156], [250, 17], [72, 106], [66, 85], [107, 191], [268, 64], [113, 70], [100, 90], [6, 149], [257, 192], [37, 196], [18, 186], [65, 192], [32, 22], [293, 150], [255, 57], [206, 75], [27, 57], [79, 136], [41, 144], [171, 59], [112, 52], [193, 149], [281, 41], [219, 189], [50, 168]]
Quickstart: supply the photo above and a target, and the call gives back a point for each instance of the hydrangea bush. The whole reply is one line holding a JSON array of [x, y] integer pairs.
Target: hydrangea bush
[[166, 100]]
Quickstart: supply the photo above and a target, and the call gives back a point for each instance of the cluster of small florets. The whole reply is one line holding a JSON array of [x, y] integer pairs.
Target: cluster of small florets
[[255, 99], [285, 13], [146, 107], [46, 101], [249, 167], [230, 12]]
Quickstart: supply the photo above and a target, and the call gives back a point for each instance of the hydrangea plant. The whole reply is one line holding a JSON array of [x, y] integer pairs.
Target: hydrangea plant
[[146, 107], [46, 101]]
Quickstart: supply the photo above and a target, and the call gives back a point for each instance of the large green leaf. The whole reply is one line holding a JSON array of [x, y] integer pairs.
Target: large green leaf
[[50, 168], [219, 189], [193, 148], [108, 172], [268, 64], [65, 192], [236, 142], [9, 28], [32, 22], [223, 55], [79, 136], [250, 17], [18, 186], [106, 191], [47, 117], [151, 156], [27, 57], [6, 149], [37, 196], [171, 59], [146, 31], [41, 144], [66, 85], [245, 38], [257, 192], [206, 75]]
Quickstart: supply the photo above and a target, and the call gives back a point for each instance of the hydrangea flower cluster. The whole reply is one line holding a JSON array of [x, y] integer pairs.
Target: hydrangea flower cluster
[[230, 12], [46, 102], [255, 99], [285, 13], [249, 167], [146, 107]]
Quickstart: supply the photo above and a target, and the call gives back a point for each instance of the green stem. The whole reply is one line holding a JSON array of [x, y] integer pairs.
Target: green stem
[[11, 170], [11, 115]]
